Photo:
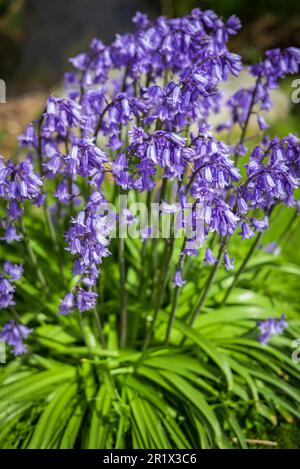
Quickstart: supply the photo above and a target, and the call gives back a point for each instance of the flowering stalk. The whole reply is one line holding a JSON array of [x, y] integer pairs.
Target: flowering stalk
[[289, 225], [284, 236], [163, 280], [122, 283], [176, 294], [83, 333], [45, 205], [144, 248], [208, 284], [33, 258], [101, 335], [241, 268], [246, 123]]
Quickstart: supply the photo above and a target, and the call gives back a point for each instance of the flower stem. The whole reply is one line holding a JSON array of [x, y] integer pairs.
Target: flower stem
[[54, 240], [45, 204], [160, 291], [83, 333], [144, 249], [176, 295], [101, 335], [244, 130], [289, 225], [209, 283], [33, 258], [99, 328], [284, 237], [242, 268], [15, 315], [122, 272]]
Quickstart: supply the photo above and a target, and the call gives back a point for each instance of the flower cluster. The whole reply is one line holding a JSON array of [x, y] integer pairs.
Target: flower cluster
[[246, 101], [18, 183], [10, 273], [88, 241], [137, 116], [271, 327], [13, 334], [62, 114], [196, 43]]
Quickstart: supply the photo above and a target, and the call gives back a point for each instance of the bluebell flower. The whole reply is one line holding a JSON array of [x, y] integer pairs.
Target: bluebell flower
[[246, 232], [178, 281], [13, 334], [228, 262], [209, 257], [86, 300], [62, 113], [271, 327], [6, 292], [67, 304], [273, 248], [15, 271]]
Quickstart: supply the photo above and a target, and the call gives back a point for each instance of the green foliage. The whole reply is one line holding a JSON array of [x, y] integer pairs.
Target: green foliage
[[199, 395]]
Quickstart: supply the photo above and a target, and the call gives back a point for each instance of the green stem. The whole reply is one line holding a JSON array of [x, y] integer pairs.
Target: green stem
[[33, 258], [289, 225], [83, 334], [284, 236], [213, 240], [244, 130], [144, 249], [101, 335], [45, 205], [155, 282], [99, 328], [122, 273], [242, 268], [176, 295], [142, 270], [70, 182], [160, 292], [209, 283], [15, 315], [54, 240]]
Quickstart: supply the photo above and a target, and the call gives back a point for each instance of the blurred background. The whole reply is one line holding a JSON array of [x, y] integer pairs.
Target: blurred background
[[38, 36]]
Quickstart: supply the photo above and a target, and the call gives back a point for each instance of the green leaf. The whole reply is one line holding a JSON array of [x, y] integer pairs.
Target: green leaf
[[208, 347], [54, 417], [198, 401]]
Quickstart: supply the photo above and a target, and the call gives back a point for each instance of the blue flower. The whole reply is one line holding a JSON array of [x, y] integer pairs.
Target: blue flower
[[178, 281], [15, 271], [13, 334], [271, 327], [209, 257]]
